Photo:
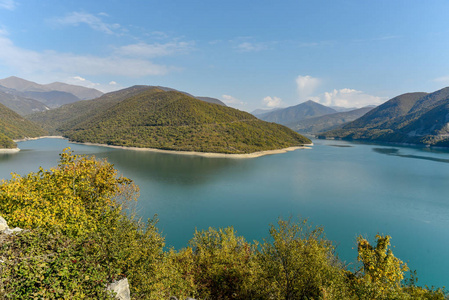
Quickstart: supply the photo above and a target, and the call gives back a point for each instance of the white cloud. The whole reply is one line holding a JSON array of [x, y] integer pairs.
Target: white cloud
[[94, 22], [78, 80], [306, 85], [232, 101], [154, 50], [350, 98], [26, 61], [272, 102], [8, 4]]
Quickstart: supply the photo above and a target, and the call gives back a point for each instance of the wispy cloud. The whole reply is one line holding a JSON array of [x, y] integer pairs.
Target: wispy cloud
[[8, 4], [272, 102], [78, 80], [53, 62], [154, 50], [251, 47], [93, 21], [442, 80], [306, 86]]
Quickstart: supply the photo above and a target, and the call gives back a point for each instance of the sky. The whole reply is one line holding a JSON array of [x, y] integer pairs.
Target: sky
[[250, 54]]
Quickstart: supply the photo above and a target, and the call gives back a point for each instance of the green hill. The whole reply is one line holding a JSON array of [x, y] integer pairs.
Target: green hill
[[13, 126], [417, 118], [174, 121], [65, 117]]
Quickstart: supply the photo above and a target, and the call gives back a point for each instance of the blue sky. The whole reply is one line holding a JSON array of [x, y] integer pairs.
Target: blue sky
[[250, 54]]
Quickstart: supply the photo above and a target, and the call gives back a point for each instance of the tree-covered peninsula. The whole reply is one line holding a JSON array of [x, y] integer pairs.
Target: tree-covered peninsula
[[169, 120]]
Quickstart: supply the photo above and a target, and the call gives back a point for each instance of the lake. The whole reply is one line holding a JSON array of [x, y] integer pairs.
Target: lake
[[348, 188]]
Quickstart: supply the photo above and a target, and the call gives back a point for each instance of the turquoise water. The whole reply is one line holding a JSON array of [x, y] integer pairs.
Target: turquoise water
[[349, 188]]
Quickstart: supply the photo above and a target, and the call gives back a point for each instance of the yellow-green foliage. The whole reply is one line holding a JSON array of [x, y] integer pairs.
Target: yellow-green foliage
[[74, 197], [298, 263], [80, 239], [381, 271]]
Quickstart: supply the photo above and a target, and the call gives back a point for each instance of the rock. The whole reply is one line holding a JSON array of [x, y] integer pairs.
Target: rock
[[3, 224], [121, 288], [11, 231]]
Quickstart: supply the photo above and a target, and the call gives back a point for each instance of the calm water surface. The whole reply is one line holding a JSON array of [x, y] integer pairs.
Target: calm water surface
[[350, 189]]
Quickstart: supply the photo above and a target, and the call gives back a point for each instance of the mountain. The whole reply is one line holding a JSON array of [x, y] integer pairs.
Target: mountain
[[51, 95], [417, 118], [327, 122], [14, 126], [21, 105], [81, 92], [67, 116], [297, 113], [154, 118]]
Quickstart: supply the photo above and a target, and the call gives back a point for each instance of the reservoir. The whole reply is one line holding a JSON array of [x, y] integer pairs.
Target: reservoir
[[350, 189]]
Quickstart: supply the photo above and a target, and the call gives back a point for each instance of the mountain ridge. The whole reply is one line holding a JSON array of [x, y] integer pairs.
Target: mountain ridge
[[414, 118], [170, 120]]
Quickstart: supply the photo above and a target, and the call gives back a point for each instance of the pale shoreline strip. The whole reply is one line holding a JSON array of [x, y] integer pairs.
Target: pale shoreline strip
[[191, 153], [13, 150], [203, 154]]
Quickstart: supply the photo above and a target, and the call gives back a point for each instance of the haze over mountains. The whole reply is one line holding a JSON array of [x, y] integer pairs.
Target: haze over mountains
[[310, 117], [416, 118], [25, 97]]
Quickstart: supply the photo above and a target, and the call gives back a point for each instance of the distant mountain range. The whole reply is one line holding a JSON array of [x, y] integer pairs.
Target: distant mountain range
[[327, 122], [311, 117], [145, 116], [416, 118], [26, 97]]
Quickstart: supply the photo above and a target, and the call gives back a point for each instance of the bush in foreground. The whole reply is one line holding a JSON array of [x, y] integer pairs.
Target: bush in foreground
[[78, 238]]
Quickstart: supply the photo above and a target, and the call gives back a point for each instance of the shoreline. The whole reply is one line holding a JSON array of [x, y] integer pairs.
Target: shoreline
[[12, 150], [177, 152], [204, 154], [40, 137]]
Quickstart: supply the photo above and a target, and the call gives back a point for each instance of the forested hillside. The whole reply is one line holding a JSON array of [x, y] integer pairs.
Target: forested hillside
[[417, 118], [13, 126], [174, 121]]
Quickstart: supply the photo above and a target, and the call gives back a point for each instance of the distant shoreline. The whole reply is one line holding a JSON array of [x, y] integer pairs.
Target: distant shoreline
[[177, 152], [204, 154]]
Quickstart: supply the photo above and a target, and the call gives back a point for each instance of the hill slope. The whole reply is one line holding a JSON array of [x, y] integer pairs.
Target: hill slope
[[13, 126], [297, 113], [174, 121], [21, 105], [417, 118]]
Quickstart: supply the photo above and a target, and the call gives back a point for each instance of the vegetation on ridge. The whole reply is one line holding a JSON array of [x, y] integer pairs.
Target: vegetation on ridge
[[79, 238], [170, 120], [415, 118], [13, 126]]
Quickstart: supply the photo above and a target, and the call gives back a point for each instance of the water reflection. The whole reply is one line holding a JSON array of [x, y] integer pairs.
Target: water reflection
[[169, 168], [396, 152]]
